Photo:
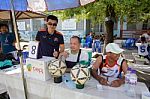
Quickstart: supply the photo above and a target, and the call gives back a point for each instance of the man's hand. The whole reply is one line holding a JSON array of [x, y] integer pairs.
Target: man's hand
[[103, 81], [116, 83], [55, 54], [64, 54]]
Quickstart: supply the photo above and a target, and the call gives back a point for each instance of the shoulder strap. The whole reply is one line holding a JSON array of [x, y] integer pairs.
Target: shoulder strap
[[78, 58], [121, 68], [101, 65], [103, 61]]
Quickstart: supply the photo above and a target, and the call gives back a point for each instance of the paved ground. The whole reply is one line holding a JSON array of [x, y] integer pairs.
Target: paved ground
[[128, 54]]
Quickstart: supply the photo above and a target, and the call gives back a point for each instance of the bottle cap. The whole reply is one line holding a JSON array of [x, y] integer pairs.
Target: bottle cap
[[129, 69], [133, 71]]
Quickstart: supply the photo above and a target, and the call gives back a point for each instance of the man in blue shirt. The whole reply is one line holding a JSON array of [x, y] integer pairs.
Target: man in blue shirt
[[89, 40], [7, 40], [51, 42]]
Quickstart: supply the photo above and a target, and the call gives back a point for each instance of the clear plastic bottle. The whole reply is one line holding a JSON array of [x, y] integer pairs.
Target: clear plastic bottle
[[132, 84], [127, 79], [133, 78]]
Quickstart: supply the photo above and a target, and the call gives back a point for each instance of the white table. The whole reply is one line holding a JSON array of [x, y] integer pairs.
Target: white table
[[140, 67], [2, 84], [49, 90]]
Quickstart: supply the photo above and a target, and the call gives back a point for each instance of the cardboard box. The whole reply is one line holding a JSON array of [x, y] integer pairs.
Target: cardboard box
[[38, 68]]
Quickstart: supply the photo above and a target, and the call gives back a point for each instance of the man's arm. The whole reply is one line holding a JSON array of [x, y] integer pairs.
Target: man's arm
[[96, 65], [61, 47], [124, 67]]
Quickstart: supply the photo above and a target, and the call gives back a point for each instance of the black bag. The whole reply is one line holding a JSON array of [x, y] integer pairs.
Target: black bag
[[2, 57], [8, 56]]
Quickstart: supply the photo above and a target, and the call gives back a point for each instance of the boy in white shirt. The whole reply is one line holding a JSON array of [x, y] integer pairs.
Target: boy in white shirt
[[143, 48]]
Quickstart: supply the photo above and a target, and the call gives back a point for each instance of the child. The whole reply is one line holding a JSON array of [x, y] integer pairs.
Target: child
[[143, 48], [96, 46]]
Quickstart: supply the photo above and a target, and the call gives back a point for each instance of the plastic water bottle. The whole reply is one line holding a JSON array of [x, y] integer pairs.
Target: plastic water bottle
[[127, 76], [132, 84], [25, 56], [133, 78], [127, 79]]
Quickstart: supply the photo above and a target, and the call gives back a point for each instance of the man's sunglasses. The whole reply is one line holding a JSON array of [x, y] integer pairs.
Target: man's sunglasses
[[52, 24]]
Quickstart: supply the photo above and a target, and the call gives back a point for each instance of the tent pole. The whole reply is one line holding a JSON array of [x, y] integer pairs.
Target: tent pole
[[19, 49], [12, 26]]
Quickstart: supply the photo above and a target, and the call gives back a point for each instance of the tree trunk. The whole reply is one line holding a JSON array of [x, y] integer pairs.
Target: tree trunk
[[109, 23], [121, 27], [145, 24], [109, 31]]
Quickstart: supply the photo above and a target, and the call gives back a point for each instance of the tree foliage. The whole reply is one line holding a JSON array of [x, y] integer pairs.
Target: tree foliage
[[134, 10], [109, 11]]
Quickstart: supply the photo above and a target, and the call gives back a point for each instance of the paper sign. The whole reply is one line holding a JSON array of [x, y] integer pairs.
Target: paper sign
[[33, 49]]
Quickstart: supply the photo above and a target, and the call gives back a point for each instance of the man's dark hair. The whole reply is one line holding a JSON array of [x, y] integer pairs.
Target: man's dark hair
[[79, 40], [52, 17], [143, 39], [1, 25]]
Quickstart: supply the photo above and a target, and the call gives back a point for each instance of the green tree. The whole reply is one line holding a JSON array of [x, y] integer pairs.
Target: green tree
[[109, 11]]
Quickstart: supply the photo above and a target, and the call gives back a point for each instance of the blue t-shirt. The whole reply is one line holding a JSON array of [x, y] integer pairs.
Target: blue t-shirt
[[97, 43], [49, 42], [89, 40], [6, 42]]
